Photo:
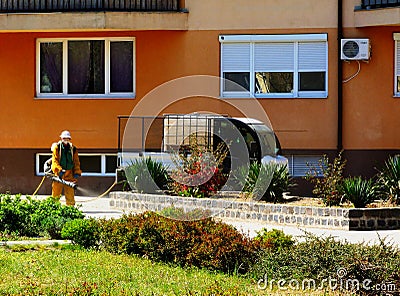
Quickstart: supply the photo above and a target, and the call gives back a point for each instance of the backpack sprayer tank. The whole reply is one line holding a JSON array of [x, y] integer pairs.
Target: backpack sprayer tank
[[49, 174]]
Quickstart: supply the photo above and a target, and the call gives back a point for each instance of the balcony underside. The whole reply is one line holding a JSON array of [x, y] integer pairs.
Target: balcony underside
[[92, 21], [40, 6], [373, 4], [377, 17]]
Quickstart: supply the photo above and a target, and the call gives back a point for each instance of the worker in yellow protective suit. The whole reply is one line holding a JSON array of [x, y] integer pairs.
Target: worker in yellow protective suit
[[66, 165]]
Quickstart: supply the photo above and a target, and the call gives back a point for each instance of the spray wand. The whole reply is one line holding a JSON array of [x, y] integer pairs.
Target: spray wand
[[48, 173], [59, 180]]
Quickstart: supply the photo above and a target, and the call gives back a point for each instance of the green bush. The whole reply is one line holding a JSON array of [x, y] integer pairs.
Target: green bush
[[274, 239], [320, 259], [253, 180], [328, 186], [83, 232], [180, 214], [15, 215], [204, 243], [50, 217], [359, 191], [147, 175], [30, 217], [389, 181]]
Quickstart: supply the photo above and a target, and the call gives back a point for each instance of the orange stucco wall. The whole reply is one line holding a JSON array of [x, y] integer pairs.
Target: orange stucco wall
[[173, 45], [161, 56], [371, 112]]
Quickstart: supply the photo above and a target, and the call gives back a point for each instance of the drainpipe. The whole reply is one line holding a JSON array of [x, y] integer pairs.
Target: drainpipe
[[182, 5], [340, 79]]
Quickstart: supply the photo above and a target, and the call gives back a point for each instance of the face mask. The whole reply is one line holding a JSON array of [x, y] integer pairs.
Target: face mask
[[65, 141]]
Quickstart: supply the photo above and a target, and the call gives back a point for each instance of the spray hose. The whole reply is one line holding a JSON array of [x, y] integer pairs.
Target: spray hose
[[103, 194], [48, 173], [40, 185]]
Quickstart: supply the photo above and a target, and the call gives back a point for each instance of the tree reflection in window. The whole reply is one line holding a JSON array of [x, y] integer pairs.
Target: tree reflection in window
[[86, 67], [274, 82], [51, 67]]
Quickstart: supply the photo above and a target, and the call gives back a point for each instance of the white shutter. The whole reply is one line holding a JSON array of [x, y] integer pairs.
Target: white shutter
[[299, 165], [312, 56], [274, 57], [236, 57], [397, 59]]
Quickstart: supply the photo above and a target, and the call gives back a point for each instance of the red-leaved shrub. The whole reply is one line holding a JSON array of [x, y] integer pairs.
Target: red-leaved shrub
[[205, 243]]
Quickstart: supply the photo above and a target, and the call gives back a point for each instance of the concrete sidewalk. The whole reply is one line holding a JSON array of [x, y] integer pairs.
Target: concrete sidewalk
[[96, 207], [367, 237], [48, 242]]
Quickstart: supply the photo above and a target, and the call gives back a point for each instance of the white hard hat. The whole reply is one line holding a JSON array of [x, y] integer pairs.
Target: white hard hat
[[65, 134]]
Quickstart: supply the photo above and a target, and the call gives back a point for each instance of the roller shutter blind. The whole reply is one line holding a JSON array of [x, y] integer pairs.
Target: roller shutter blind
[[274, 57], [299, 164], [397, 59], [236, 57], [312, 56]]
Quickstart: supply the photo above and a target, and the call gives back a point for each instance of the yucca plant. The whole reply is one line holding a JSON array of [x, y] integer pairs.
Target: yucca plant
[[389, 181], [255, 179], [359, 191], [147, 175], [247, 177]]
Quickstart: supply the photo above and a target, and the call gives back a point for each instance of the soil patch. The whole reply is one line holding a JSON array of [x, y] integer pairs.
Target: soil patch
[[311, 202]]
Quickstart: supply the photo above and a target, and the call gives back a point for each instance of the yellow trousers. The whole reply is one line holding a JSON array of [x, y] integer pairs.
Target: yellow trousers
[[57, 189]]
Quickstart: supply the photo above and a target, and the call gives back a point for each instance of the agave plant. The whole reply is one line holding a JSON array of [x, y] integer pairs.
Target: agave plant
[[389, 181], [256, 177], [280, 183], [359, 191], [247, 177], [146, 175]]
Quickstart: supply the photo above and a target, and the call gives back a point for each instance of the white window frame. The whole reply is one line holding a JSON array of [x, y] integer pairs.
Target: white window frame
[[289, 38], [107, 93], [396, 38], [103, 173]]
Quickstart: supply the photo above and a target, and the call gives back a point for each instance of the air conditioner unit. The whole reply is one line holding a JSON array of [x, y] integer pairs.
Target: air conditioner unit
[[355, 49]]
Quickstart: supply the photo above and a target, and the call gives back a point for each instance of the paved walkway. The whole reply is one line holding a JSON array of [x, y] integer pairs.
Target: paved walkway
[[368, 237]]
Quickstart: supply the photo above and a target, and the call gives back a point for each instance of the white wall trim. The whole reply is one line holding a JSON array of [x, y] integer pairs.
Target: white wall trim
[[273, 38]]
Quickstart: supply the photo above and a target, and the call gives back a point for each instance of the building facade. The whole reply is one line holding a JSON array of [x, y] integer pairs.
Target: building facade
[[78, 65]]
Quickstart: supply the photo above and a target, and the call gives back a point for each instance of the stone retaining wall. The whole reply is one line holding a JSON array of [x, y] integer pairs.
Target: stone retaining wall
[[374, 219], [277, 214]]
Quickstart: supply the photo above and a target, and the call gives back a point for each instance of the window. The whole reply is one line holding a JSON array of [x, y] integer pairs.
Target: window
[[299, 165], [396, 37], [278, 66], [85, 68], [91, 164]]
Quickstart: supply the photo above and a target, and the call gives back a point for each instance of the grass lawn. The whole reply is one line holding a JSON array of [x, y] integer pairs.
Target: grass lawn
[[67, 271]]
